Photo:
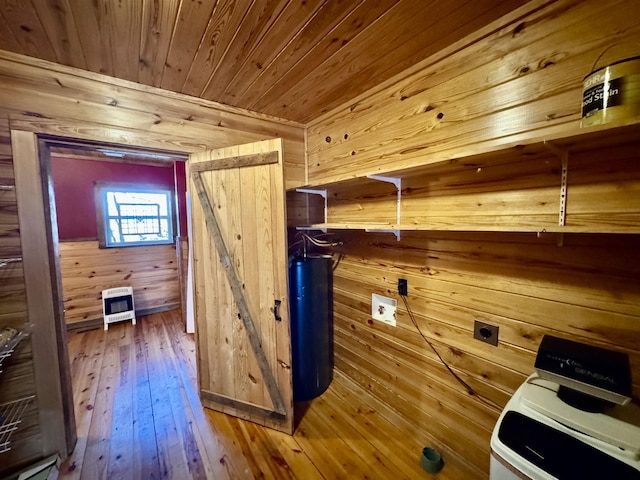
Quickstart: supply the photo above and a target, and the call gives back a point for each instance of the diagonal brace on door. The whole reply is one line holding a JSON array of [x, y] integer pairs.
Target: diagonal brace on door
[[213, 227]]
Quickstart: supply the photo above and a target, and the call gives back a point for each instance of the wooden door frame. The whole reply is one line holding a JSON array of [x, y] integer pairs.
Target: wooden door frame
[[45, 306], [45, 313]]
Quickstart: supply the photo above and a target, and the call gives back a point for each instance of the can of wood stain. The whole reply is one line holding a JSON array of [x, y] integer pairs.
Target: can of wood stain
[[612, 93]]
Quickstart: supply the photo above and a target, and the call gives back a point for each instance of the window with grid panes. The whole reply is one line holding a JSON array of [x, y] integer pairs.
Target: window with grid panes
[[131, 215]]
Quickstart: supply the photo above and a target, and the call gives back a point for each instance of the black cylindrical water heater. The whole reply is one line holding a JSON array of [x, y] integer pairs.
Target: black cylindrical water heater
[[310, 285]]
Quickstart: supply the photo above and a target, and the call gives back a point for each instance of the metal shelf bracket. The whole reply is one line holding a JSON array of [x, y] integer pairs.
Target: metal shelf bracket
[[323, 194], [564, 158], [397, 181], [395, 232]]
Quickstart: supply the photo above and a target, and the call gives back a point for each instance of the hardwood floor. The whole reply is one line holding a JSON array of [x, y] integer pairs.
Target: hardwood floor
[[138, 416]]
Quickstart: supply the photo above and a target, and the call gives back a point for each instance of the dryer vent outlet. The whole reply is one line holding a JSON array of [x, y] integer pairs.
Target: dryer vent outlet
[[485, 332]]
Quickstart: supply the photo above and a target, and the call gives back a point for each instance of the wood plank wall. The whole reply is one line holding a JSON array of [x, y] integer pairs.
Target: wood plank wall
[[46, 98], [86, 270], [516, 81], [17, 372], [587, 290]]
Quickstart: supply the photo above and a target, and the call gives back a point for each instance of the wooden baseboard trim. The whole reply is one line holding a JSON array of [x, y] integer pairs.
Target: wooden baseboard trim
[[93, 323]]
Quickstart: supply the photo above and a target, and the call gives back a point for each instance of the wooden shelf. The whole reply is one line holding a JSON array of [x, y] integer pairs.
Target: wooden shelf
[[545, 160], [373, 227], [499, 151]]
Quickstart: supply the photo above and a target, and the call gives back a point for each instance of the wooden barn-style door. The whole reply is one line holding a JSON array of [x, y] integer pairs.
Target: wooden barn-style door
[[240, 280]]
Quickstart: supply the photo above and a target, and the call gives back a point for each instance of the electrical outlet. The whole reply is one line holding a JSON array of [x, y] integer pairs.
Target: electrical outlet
[[402, 287], [485, 332], [383, 309]]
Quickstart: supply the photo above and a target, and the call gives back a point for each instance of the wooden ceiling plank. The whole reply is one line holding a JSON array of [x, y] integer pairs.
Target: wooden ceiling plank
[[8, 40], [252, 30], [284, 29], [221, 30], [57, 19], [354, 24], [451, 25], [125, 35], [327, 19], [23, 21], [158, 21], [288, 58], [400, 28], [188, 32], [94, 37]]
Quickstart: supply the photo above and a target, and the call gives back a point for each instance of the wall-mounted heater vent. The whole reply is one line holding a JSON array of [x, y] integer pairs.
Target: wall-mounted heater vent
[[117, 305]]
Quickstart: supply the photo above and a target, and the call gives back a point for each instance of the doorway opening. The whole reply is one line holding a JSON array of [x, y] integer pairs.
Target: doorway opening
[[135, 236], [72, 173]]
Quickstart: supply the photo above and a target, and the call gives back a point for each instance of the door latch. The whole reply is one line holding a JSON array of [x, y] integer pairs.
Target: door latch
[[276, 310]]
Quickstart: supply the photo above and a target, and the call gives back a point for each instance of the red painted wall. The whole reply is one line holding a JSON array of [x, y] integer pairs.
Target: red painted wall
[[73, 182]]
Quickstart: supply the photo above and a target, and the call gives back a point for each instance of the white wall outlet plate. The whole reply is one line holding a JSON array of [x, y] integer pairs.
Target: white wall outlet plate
[[383, 309]]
